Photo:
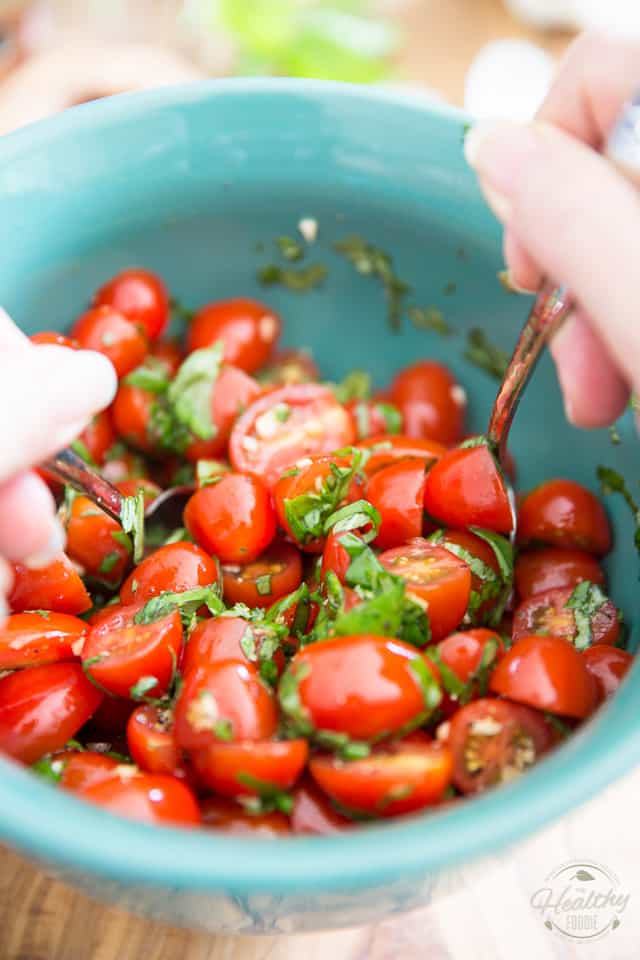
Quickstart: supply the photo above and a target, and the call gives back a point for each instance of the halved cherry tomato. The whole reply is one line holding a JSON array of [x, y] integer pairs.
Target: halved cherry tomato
[[223, 701], [365, 686], [52, 336], [432, 403], [465, 488], [220, 639], [494, 741], [462, 543], [244, 768], [43, 707], [234, 519], [54, 587], [395, 778], [397, 492], [436, 579], [463, 652], [176, 567], [233, 391], [115, 616], [285, 425], [95, 542], [391, 447], [374, 418], [547, 673], [230, 817], [98, 436], [564, 514], [131, 413], [82, 769], [335, 558], [131, 486], [551, 568], [248, 330], [548, 612], [288, 367], [109, 332], [141, 297], [151, 742], [312, 813], [275, 573], [152, 798], [608, 667], [32, 639], [169, 353], [119, 659]]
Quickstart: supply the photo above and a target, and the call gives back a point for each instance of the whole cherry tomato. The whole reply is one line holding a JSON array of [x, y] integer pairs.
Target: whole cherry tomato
[[230, 817], [233, 518], [151, 742], [312, 812], [32, 639], [245, 768], [54, 587], [397, 492], [551, 568], [151, 798], [141, 297], [389, 448], [564, 514], [98, 437], [175, 567], [248, 330], [233, 391], [82, 769], [107, 331], [608, 667], [465, 488], [274, 574], [550, 613], [96, 542], [431, 402]]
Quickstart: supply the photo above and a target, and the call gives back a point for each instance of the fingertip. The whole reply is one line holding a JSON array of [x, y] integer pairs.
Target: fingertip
[[29, 527], [524, 273]]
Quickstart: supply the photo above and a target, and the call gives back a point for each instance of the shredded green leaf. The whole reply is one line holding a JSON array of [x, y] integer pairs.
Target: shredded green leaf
[[150, 376], [484, 355], [109, 562], [83, 452], [186, 602], [307, 514], [263, 585], [354, 516], [355, 386], [132, 520], [142, 687], [429, 318], [298, 281], [585, 601], [613, 482], [190, 392], [290, 248], [370, 261]]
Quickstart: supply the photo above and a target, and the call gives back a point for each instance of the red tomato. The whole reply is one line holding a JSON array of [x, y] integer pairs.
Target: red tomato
[[223, 701], [107, 331], [175, 567], [276, 572], [335, 558], [129, 488], [551, 568], [151, 741], [436, 579], [84, 769], [131, 413], [431, 402], [152, 798], [462, 540], [115, 616], [288, 367], [462, 652], [397, 492], [248, 330], [233, 769], [374, 419], [141, 297], [234, 519], [233, 391], [608, 667], [220, 639], [564, 514], [52, 336], [94, 542], [54, 587], [281, 427], [98, 437], [396, 778], [117, 660], [31, 639], [547, 673], [365, 686], [494, 741], [465, 488], [229, 817], [389, 447], [169, 353], [110, 719], [312, 813], [548, 613], [43, 707]]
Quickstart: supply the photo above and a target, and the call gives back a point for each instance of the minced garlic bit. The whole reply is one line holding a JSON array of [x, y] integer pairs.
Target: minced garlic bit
[[268, 327], [443, 730], [78, 646], [203, 712], [250, 444], [308, 227], [126, 771], [486, 727], [268, 424], [304, 462], [459, 395]]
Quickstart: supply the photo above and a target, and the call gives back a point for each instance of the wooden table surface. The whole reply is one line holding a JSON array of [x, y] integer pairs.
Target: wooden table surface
[[41, 919]]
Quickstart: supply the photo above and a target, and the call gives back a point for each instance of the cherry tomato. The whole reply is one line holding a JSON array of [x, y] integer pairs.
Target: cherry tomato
[[285, 425], [233, 391], [312, 813], [395, 778], [141, 297], [122, 464], [234, 519], [275, 573], [388, 448], [223, 701], [494, 741], [550, 568], [373, 418], [248, 330], [564, 514], [131, 412], [548, 613], [608, 667], [431, 402], [131, 486], [98, 437], [152, 798], [547, 673], [288, 367], [80, 770], [463, 652], [466, 489], [220, 639], [54, 587], [107, 331], [397, 492], [175, 567], [32, 639], [41, 708], [229, 817], [115, 616], [335, 558], [52, 336], [169, 353], [365, 686], [241, 769], [117, 660], [463, 543], [151, 741], [95, 542], [436, 579]]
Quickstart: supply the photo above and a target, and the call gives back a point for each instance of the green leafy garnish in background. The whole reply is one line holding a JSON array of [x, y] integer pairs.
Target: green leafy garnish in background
[[485, 355], [370, 261]]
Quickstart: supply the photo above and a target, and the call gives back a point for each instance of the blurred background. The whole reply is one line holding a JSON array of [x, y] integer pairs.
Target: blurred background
[[492, 56]]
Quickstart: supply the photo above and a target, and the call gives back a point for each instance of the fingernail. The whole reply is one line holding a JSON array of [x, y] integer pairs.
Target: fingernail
[[499, 150], [89, 379], [506, 279], [499, 203], [54, 547]]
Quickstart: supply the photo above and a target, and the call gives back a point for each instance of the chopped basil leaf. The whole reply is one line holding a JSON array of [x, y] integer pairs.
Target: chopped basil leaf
[[614, 435], [559, 725], [300, 280], [391, 416], [371, 261], [290, 248], [223, 730], [428, 684], [613, 482], [362, 418], [83, 452], [269, 796], [183, 476], [355, 386], [186, 602], [484, 355], [123, 539], [165, 430], [585, 601], [190, 392], [263, 585], [49, 768], [306, 515], [209, 470], [282, 412], [180, 312], [502, 549], [451, 682], [142, 686], [353, 516], [132, 520], [109, 562], [429, 318], [289, 698], [150, 376]]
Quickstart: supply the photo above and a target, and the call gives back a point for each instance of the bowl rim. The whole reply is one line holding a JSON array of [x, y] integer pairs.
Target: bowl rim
[[73, 833]]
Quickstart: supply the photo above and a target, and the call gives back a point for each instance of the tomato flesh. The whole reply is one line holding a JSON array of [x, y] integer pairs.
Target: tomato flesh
[[247, 329], [107, 331], [274, 574], [312, 812], [229, 817], [57, 586], [141, 297], [151, 741], [151, 798], [431, 402]]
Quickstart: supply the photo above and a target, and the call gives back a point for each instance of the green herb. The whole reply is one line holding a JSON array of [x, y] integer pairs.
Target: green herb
[[150, 376], [282, 412], [290, 248], [263, 585], [465, 130], [585, 601], [298, 717], [270, 796], [142, 687], [429, 318], [223, 730], [179, 535], [300, 280], [392, 417], [558, 725], [353, 516], [49, 768], [132, 520], [431, 692], [452, 685], [190, 392], [83, 452], [109, 562], [210, 471], [614, 435], [93, 512], [184, 475], [45, 614], [164, 429], [186, 603], [450, 288], [342, 745], [119, 536], [613, 482], [355, 386], [307, 514], [502, 549], [483, 354], [180, 312], [370, 261]]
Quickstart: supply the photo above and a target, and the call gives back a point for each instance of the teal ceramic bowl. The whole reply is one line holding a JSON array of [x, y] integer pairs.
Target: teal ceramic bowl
[[190, 182]]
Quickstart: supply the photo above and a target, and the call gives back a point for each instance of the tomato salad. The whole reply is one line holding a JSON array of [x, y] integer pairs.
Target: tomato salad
[[338, 630]]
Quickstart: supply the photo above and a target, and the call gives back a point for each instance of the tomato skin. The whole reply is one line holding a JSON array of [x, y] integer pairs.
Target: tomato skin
[[115, 616], [562, 513], [169, 353], [151, 741], [547, 673], [31, 639], [278, 763], [131, 414], [548, 613], [233, 391], [414, 764], [225, 691], [41, 708], [465, 489], [91, 544], [52, 336], [397, 492], [462, 652], [362, 685], [86, 768], [390, 447], [316, 424], [312, 813], [481, 550], [281, 562], [107, 331], [335, 558], [434, 577], [233, 519], [508, 739], [229, 817], [219, 639], [288, 367], [176, 567], [98, 436], [608, 667], [247, 328], [151, 798], [431, 402], [372, 418], [141, 297], [551, 568], [56, 587]]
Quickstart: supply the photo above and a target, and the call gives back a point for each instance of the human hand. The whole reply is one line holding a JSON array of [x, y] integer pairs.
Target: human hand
[[47, 396], [570, 215]]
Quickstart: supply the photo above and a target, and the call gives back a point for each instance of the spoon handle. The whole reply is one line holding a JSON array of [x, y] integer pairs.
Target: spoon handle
[[71, 469]]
